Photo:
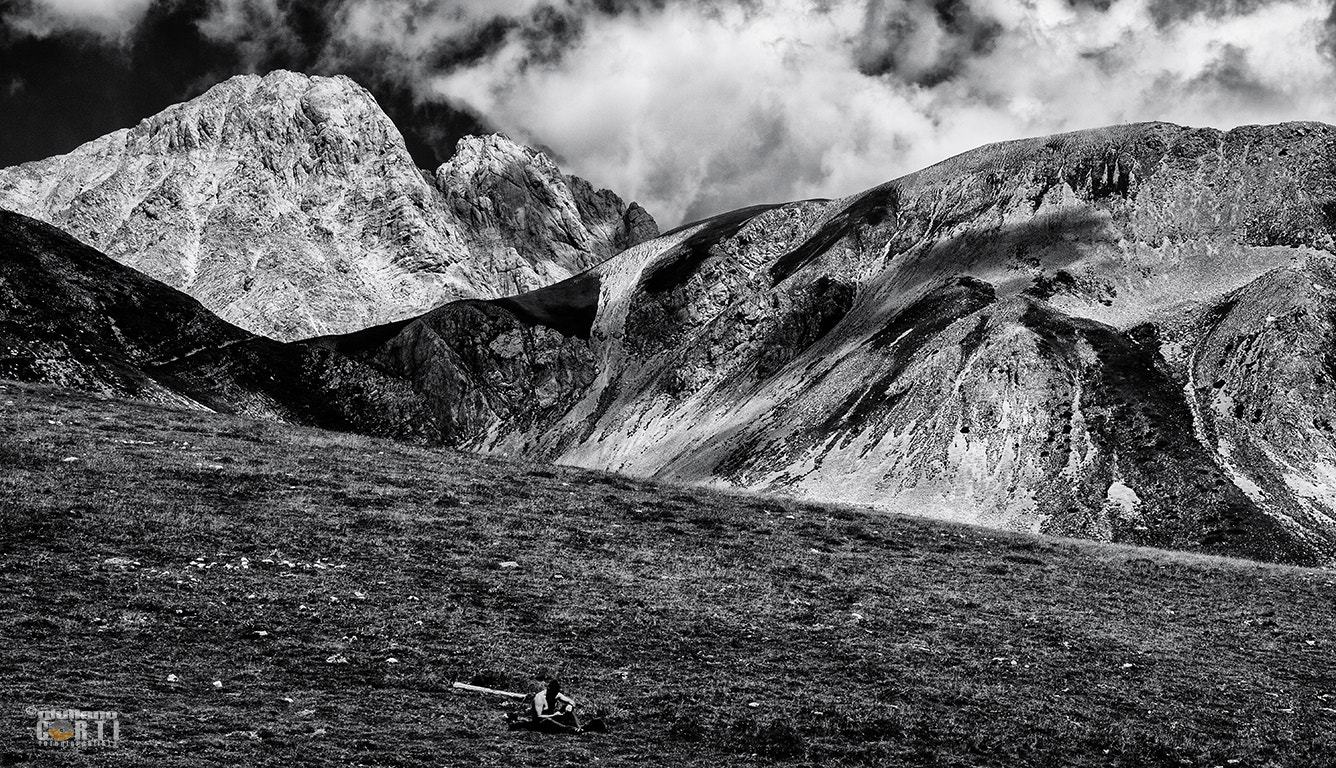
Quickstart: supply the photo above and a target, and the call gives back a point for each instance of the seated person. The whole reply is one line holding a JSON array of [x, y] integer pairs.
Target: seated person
[[552, 708], [550, 711]]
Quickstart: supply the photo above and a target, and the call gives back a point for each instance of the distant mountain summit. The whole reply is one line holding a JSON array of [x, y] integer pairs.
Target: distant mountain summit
[[289, 206]]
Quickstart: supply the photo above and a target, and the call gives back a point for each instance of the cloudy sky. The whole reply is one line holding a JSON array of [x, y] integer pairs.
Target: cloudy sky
[[689, 107]]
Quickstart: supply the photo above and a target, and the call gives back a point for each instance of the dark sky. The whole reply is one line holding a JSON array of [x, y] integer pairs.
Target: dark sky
[[690, 107], [60, 90]]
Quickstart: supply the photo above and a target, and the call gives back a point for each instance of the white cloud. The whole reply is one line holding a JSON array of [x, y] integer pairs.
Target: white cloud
[[692, 107], [410, 30], [109, 18], [254, 28], [692, 111]]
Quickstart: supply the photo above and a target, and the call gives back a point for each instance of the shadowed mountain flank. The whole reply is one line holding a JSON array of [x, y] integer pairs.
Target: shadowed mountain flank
[[569, 307], [868, 209], [73, 317]]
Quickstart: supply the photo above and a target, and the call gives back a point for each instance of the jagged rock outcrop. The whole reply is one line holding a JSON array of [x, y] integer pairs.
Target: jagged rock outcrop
[[289, 206], [1119, 334], [524, 213]]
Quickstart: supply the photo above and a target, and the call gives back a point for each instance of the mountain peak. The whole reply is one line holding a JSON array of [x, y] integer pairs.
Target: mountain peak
[[286, 84], [288, 116], [289, 205], [496, 184], [480, 160], [1095, 334], [471, 152]]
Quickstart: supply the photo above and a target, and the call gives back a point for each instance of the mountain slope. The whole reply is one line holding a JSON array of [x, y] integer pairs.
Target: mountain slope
[[289, 206], [1025, 336], [72, 317]]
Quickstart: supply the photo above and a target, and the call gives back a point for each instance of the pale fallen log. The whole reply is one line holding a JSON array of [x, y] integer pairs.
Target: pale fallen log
[[493, 691]]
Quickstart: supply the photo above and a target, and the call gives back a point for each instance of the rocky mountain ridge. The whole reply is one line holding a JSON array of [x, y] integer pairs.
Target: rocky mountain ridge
[[289, 205], [1117, 334]]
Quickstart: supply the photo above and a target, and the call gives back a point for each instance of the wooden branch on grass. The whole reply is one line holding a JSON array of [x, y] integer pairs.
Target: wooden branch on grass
[[493, 691]]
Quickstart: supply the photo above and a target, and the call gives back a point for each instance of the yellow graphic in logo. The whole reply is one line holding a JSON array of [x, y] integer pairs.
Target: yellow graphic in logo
[[61, 730]]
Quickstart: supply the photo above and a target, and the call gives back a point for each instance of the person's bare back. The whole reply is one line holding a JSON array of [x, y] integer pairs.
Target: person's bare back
[[550, 711]]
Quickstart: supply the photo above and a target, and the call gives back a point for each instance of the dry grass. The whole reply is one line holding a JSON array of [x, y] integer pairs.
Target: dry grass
[[863, 639]]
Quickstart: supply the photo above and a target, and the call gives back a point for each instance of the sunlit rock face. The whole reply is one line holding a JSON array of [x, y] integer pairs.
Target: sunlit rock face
[[1122, 334], [289, 206]]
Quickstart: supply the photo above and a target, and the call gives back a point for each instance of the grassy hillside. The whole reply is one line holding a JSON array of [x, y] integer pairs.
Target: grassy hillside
[[334, 586]]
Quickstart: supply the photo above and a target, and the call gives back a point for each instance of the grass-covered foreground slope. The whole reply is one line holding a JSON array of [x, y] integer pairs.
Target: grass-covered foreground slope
[[138, 543]]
